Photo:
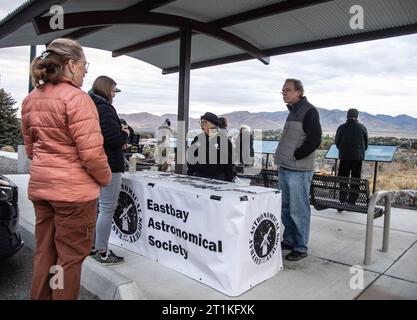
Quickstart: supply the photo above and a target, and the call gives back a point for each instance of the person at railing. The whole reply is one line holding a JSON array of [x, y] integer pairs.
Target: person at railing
[[163, 154], [223, 125], [295, 157], [62, 137], [244, 151], [211, 152], [115, 136], [352, 141], [133, 137]]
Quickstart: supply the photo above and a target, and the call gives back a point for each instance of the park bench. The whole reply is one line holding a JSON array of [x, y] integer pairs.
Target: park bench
[[265, 177], [352, 194]]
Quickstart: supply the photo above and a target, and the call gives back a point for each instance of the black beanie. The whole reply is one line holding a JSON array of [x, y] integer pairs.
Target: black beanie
[[211, 117]]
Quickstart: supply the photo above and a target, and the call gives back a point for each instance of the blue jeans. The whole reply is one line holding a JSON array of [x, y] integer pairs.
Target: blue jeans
[[107, 205], [295, 188]]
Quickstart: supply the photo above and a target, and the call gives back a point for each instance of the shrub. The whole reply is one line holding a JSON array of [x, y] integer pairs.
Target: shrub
[[7, 149]]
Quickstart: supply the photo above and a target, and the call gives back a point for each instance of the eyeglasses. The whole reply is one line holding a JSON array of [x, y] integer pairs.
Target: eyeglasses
[[286, 91], [86, 64]]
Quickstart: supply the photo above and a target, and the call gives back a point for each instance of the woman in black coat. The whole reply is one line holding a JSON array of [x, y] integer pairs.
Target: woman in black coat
[[115, 136], [205, 152]]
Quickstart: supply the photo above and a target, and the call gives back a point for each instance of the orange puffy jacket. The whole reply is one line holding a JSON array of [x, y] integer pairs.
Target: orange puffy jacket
[[63, 139]]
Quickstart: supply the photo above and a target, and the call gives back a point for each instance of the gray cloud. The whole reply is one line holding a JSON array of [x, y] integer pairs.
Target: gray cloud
[[376, 76]]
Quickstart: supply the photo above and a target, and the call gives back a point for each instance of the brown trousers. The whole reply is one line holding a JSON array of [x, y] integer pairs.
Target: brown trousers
[[64, 236]]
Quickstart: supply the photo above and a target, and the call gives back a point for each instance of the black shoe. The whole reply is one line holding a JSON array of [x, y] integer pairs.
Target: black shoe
[[295, 255], [286, 246], [378, 212], [93, 252]]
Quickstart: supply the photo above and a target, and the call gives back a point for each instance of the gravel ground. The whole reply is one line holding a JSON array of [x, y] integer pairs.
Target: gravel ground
[[8, 166]]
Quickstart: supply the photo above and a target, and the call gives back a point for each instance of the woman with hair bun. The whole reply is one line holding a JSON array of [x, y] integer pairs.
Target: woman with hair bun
[[63, 139]]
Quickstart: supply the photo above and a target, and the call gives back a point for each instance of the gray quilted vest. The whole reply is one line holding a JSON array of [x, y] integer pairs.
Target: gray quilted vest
[[293, 136]]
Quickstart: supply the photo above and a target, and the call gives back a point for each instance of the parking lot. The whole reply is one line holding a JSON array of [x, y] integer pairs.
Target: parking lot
[[16, 277]]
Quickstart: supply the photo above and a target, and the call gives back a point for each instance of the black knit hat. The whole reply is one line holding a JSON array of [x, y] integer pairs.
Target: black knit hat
[[352, 114], [211, 117]]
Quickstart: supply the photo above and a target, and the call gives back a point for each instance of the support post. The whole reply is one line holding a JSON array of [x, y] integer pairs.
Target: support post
[[32, 56], [267, 161], [375, 174], [183, 99]]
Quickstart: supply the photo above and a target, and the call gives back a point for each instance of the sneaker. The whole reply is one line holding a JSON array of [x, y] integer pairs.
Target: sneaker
[[286, 246], [109, 258], [295, 255]]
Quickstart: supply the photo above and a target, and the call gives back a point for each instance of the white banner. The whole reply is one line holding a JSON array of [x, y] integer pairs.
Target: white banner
[[225, 236]]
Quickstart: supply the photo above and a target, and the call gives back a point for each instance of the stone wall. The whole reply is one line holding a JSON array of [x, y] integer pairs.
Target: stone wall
[[403, 199]]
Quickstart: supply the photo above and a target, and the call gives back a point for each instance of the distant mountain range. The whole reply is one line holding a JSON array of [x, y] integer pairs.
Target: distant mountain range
[[330, 120]]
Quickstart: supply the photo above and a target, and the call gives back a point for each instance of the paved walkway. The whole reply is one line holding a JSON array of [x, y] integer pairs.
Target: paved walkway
[[337, 242]]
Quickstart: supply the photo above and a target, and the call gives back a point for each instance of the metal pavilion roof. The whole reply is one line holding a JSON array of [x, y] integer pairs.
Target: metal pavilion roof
[[223, 31]]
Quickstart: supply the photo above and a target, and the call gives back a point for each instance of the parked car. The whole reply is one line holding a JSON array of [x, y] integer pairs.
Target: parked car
[[10, 239]]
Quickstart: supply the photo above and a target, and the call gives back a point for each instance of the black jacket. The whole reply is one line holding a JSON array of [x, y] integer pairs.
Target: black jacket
[[243, 151], [312, 128], [211, 169], [351, 140], [114, 137]]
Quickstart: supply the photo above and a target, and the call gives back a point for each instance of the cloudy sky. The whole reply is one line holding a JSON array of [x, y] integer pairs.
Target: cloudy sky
[[379, 77]]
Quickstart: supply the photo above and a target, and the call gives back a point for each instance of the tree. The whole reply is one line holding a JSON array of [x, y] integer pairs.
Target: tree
[[9, 124], [326, 142]]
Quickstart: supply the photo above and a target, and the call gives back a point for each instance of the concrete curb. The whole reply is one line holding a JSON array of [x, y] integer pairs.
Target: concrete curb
[[99, 280], [108, 284]]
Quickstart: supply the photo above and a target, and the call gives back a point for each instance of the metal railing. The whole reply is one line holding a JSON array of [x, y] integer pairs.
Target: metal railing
[[370, 223]]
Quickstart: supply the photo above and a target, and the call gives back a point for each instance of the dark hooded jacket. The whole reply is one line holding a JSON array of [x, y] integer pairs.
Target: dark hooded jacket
[[352, 140], [218, 160], [114, 137]]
